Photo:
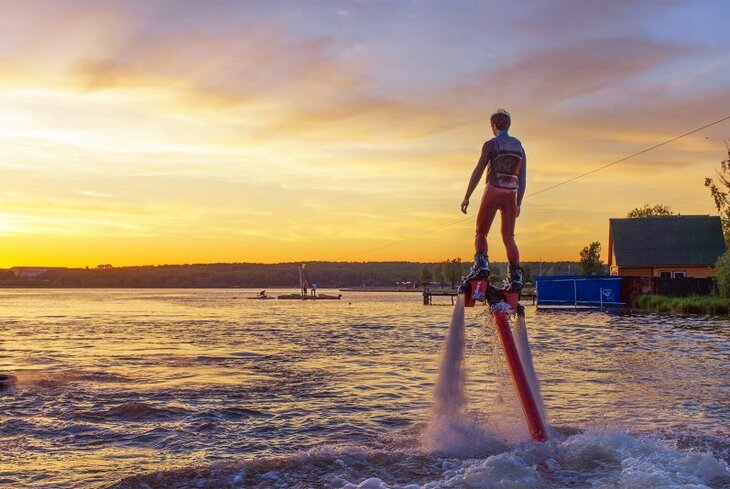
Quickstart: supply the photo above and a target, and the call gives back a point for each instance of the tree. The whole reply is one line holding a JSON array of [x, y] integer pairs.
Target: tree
[[722, 274], [648, 211], [590, 259], [451, 271], [720, 188], [426, 276]]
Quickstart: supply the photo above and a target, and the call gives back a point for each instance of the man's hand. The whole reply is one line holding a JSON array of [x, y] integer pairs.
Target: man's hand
[[518, 211], [464, 205]]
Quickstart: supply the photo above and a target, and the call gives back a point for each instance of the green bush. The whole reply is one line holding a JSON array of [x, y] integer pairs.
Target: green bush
[[711, 305], [656, 301], [722, 274], [690, 305]]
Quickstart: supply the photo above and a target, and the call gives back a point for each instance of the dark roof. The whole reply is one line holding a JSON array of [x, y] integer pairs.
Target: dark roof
[[667, 240]]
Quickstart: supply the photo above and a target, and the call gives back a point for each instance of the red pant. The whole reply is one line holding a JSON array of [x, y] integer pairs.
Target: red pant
[[506, 201]]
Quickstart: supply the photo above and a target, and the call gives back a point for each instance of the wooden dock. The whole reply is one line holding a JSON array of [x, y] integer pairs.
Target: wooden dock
[[429, 294]]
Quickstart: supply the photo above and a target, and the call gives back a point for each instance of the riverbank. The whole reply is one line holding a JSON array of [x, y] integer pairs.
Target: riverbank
[[709, 304]]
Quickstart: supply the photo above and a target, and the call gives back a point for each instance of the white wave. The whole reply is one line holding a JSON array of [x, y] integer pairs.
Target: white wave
[[588, 460], [594, 459]]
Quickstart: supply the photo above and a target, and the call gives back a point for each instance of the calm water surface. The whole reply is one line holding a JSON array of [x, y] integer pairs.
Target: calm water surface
[[135, 387]]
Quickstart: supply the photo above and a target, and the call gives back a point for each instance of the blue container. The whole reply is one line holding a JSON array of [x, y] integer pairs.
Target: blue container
[[579, 290]]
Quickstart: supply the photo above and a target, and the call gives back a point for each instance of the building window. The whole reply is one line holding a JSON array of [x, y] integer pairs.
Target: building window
[[665, 274], [679, 274]]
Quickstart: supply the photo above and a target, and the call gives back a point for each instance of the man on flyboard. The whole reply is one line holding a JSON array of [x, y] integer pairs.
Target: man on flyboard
[[505, 161]]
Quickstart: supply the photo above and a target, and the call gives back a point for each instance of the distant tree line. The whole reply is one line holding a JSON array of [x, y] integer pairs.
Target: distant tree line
[[324, 274]]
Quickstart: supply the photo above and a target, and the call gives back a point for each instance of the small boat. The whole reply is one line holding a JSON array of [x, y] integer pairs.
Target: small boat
[[261, 296], [330, 297], [303, 285], [310, 297], [293, 296]]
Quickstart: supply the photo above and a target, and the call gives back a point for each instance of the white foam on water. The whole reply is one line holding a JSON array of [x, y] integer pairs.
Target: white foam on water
[[450, 430], [519, 332], [506, 420], [592, 459], [449, 393]]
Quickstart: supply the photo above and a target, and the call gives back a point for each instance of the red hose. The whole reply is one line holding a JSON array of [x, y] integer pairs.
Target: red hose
[[529, 407]]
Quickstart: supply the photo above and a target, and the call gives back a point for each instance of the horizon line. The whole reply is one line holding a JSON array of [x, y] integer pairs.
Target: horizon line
[[110, 266]]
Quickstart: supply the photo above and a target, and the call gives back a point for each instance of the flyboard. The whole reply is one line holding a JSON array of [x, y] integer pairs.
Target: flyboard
[[502, 304]]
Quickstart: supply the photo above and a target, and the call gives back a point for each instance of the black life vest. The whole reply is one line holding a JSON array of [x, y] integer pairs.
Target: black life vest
[[505, 166]]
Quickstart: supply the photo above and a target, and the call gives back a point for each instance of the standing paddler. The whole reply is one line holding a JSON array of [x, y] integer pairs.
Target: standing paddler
[[506, 162]]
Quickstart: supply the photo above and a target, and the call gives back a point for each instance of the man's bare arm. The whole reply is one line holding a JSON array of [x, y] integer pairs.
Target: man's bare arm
[[476, 176]]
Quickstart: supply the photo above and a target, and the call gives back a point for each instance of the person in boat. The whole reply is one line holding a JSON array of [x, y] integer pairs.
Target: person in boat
[[505, 160], [314, 289], [305, 286]]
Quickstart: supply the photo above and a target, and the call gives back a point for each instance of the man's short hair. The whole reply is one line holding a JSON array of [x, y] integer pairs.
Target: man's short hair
[[501, 120]]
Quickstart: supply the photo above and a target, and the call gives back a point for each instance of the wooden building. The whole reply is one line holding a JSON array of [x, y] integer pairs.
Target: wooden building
[[665, 246]]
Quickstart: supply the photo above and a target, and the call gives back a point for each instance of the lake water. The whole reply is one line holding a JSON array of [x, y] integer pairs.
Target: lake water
[[204, 388]]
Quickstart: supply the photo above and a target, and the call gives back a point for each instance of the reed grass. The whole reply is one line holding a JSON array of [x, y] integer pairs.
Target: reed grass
[[705, 304]]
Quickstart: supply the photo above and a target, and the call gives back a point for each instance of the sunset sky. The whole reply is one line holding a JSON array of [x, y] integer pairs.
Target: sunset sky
[[152, 132]]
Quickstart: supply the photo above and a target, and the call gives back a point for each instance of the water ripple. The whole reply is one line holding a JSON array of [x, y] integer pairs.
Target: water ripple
[[214, 389]]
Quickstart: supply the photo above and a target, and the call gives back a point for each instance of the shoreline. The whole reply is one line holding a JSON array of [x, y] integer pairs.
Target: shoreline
[[704, 305]]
